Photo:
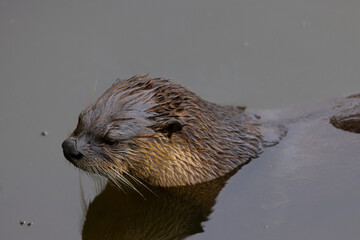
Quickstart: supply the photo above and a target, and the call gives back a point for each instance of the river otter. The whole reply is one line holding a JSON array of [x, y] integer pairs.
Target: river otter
[[160, 132]]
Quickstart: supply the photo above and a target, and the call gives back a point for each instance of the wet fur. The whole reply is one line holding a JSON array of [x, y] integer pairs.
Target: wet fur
[[163, 134]]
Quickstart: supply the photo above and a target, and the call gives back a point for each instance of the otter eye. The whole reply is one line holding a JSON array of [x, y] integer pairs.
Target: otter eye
[[109, 141]]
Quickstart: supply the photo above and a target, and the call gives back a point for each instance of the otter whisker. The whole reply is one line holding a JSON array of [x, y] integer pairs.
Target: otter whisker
[[93, 93], [112, 179], [125, 181], [140, 182]]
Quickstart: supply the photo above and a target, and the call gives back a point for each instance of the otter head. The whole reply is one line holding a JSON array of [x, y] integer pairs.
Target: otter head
[[161, 133]]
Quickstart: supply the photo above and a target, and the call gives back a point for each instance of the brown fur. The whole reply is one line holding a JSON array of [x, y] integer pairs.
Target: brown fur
[[160, 132]]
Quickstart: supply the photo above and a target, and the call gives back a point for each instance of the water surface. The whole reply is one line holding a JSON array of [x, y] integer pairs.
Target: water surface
[[263, 54]]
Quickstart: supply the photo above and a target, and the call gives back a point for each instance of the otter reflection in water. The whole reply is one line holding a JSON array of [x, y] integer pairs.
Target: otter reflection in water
[[160, 214], [152, 131]]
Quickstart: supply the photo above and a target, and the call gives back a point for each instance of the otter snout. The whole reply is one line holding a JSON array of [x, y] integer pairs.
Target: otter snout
[[70, 150]]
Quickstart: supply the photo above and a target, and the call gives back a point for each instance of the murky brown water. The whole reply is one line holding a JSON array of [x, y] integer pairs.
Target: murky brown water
[[264, 54]]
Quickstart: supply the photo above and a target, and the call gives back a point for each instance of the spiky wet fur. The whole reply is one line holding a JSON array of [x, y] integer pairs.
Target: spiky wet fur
[[214, 139]]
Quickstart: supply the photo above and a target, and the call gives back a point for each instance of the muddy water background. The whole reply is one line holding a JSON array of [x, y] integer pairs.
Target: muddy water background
[[263, 54]]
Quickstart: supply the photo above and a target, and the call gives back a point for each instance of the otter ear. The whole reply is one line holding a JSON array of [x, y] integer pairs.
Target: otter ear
[[169, 126]]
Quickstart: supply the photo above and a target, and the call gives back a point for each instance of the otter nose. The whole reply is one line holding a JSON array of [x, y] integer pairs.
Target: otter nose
[[70, 150]]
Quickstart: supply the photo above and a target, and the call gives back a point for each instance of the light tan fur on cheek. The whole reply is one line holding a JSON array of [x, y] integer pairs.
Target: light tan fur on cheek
[[160, 160]]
